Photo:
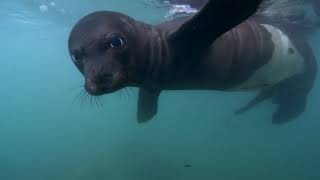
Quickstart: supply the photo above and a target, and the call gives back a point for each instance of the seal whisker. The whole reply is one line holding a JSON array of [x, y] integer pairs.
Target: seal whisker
[[80, 96], [123, 92], [95, 101], [132, 91], [76, 86], [88, 98], [120, 94], [91, 100], [101, 101], [127, 94], [83, 95], [77, 96], [98, 101]]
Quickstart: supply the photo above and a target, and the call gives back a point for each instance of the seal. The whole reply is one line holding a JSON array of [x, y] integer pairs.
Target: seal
[[218, 48]]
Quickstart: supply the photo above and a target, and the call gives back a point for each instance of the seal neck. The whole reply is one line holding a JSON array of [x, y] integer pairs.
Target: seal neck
[[155, 59]]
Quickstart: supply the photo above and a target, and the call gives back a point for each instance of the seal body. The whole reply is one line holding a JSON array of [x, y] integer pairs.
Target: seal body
[[285, 62], [251, 56], [219, 48], [255, 56]]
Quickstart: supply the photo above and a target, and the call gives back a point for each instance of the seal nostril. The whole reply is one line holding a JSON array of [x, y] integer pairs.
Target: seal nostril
[[107, 78]]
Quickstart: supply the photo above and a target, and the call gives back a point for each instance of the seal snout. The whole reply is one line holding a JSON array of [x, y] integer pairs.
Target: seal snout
[[99, 85]]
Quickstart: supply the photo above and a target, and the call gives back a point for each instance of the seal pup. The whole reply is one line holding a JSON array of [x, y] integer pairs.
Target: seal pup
[[216, 49]]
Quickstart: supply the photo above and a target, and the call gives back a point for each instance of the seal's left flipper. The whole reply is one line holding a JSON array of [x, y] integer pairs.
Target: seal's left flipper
[[147, 104], [262, 95], [213, 20]]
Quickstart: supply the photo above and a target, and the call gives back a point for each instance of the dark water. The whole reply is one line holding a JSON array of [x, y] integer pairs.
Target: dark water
[[45, 136]]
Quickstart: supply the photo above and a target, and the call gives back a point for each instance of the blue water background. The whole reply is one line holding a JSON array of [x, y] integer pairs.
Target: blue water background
[[45, 135]]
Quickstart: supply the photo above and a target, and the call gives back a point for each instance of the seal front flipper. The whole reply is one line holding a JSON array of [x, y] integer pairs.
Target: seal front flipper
[[147, 104], [213, 20], [262, 95]]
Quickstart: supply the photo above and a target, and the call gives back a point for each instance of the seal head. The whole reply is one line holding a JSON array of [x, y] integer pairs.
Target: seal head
[[101, 46]]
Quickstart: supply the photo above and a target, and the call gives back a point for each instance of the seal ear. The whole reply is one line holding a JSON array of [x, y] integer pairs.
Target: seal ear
[[213, 20], [147, 104]]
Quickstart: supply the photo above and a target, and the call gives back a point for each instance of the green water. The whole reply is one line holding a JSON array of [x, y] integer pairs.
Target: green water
[[45, 135]]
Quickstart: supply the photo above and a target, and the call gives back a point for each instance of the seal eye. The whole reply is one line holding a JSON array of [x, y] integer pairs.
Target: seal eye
[[116, 42], [76, 57]]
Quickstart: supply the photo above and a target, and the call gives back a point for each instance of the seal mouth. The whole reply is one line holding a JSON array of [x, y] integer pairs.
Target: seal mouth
[[95, 90], [100, 85]]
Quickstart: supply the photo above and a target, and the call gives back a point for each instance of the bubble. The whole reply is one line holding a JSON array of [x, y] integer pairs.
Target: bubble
[[63, 11], [43, 8], [52, 3]]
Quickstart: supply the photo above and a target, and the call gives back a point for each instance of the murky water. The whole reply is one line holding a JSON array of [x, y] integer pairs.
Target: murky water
[[46, 134]]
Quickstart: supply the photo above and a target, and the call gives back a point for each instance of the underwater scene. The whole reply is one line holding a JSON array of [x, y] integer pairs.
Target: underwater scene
[[51, 128]]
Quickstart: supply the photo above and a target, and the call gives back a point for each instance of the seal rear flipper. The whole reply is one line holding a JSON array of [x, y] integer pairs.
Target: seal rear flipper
[[289, 110], [262, 95], [147, 104], [213, 20], [291, 97], [291, 94]]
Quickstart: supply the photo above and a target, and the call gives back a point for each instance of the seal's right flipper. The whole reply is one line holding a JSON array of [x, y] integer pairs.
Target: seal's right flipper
[[147, 104], [213, 20], [262, 95]]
